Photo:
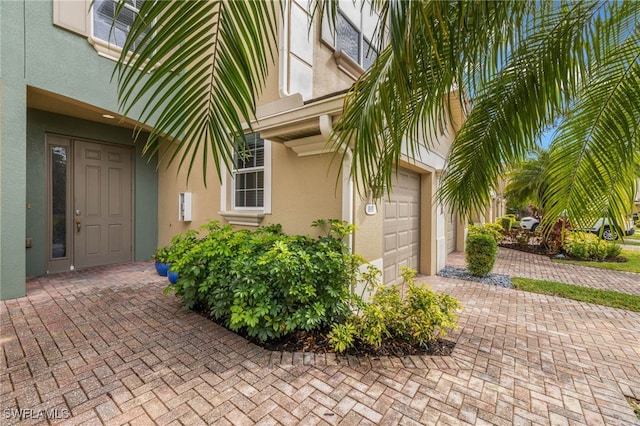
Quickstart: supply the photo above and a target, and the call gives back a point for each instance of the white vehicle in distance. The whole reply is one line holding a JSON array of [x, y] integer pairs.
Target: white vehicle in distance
[[601, 227], [529, 223], [609, 233]]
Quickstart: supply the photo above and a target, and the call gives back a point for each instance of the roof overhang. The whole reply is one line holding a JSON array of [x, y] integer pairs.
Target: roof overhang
[[303, 127]]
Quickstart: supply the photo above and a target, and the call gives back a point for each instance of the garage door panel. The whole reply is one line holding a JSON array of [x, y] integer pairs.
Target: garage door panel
[[402, 226], [390, 210], [390, 242], [405, 210], [403, 239]]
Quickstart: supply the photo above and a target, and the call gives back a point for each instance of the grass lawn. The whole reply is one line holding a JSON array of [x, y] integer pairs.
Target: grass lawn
[[633, 239], [633, 264], [614, 299]]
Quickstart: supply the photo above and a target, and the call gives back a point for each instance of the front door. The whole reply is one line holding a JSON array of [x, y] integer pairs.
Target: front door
[[90, 199], [102, 204]]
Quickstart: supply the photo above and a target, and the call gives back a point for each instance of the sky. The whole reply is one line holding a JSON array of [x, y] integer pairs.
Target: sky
[[545, 139]]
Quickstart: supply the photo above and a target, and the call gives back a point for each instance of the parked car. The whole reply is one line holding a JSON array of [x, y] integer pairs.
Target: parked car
[[609, 233], [529, 223]]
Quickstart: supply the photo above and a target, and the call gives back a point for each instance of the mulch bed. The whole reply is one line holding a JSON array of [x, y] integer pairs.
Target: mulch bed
[[529, 248], [317, 342]]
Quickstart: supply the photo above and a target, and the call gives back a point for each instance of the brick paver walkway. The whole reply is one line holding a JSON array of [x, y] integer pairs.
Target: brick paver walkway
[[106, 346], [520, 264]]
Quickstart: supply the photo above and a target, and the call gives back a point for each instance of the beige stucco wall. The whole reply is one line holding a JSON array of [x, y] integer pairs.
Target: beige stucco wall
[[327, 77], [271, 91], [303, 189], [205, 200], [367, 241]]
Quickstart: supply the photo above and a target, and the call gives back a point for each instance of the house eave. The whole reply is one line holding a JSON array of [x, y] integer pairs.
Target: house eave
[[300, 126]]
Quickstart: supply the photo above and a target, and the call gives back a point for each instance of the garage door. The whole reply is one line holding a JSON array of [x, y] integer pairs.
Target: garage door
[[452, 231], [402, 226]]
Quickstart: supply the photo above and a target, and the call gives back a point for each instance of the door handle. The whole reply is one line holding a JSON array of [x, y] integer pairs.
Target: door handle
[[78, 221]]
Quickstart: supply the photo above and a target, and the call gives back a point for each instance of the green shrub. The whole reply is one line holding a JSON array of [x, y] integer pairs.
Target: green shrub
[[419, 318], [506, 223], [494, 230], [480, 253], [586, 246], [264, 282], [162, 254], [180, 245]]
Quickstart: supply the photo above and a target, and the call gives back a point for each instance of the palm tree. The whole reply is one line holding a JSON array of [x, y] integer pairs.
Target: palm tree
[[526, 181], [519, 66]]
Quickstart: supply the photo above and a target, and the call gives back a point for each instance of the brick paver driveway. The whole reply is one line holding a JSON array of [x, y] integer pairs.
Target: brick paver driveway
[[105, 346], [520, 264]]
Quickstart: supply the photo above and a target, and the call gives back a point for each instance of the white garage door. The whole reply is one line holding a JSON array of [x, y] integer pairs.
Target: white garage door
[[452, 230], [402, 226]]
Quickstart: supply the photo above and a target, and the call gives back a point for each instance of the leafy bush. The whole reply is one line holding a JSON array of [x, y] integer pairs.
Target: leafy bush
[[419, 318], [584, 246], [523, 237], [162, 254], [480, 253], [558, 235], [264, 282], [494, 230], [181, 244], [506, 223]]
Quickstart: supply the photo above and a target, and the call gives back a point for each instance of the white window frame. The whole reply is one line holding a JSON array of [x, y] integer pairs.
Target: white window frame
[[245, 171], [359, 28], [367, 21], [251, 216], [104, 47]]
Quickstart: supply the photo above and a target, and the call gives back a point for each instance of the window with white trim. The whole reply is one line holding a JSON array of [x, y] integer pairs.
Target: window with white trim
[[104, 28], [351, 38], [249, 174]]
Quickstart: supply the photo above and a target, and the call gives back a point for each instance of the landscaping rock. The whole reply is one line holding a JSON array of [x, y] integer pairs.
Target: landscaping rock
[[462, 274]]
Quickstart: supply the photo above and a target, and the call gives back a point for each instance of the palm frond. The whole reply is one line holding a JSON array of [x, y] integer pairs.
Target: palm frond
[[400, 103], [194, 73], [531, 91], [595, 157]]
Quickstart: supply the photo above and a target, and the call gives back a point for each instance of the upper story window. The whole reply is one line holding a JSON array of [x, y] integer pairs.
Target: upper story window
[[249, 174], [351, 38], [104, 28]]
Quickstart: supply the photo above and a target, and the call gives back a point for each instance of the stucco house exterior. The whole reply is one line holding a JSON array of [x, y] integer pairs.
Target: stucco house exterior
[[76, 191]]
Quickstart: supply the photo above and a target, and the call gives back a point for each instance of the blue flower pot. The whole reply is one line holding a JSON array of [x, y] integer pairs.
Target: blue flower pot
[[162, 268], [173, 277]]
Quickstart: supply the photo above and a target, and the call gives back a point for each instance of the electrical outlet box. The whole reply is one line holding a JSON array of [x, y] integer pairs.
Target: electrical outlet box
[[184, 207]]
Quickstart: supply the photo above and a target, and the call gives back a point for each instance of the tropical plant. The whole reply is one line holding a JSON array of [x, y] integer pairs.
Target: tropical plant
[[517, 68], [264, 282], [583, 246], [527, 184], [419, 318], [161, 255], [494, 230], [480, 254]]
